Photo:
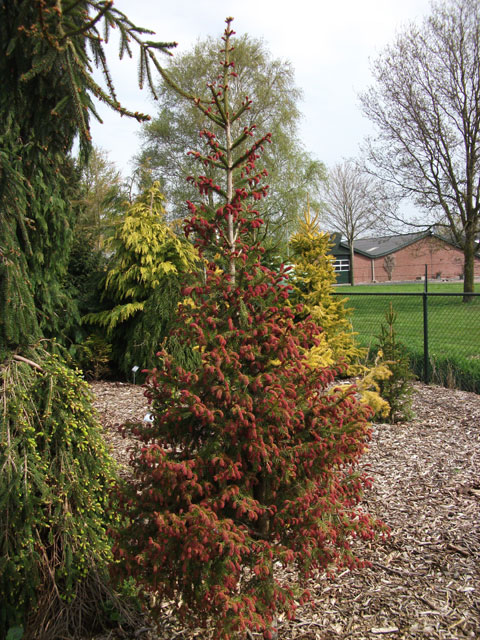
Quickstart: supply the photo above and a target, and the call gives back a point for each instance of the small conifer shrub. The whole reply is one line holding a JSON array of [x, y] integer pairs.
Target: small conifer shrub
[[249, 461], [397, 388], [313, 286], [54, 496], [143, 282]]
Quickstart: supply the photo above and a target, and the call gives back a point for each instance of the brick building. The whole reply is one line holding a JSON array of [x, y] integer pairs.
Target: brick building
[[403, 258]]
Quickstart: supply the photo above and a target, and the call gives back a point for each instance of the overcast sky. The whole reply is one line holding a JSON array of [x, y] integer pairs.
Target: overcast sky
[[330, 44]]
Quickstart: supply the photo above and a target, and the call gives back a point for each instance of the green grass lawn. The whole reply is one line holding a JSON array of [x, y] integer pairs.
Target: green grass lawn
[[453, 327]]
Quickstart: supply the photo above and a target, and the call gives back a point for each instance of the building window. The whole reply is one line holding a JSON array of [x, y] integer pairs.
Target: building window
[[341, 265]]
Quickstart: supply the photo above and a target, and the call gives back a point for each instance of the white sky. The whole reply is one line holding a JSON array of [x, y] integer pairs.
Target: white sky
[[330, 44]]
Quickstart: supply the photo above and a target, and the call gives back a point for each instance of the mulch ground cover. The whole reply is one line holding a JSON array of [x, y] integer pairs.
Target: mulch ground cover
[[424, 579]]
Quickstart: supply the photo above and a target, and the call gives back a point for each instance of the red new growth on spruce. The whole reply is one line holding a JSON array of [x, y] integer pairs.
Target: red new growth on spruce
[[249, 462]]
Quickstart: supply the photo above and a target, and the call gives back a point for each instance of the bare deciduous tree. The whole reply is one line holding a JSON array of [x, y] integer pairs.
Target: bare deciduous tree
[[426, 106], [351, 203], [389, 265]]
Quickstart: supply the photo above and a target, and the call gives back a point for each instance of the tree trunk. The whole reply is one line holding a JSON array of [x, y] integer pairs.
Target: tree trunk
[[352, 276], [469, 264], [261, 493]]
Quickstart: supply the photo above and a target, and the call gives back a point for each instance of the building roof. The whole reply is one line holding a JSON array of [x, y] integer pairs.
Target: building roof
[[380, 246], [383, 245], [339, 248]]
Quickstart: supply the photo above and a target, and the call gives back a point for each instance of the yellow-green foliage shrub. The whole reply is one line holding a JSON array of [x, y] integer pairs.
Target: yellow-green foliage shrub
[[313, 281], [143, 282], [369, 386]]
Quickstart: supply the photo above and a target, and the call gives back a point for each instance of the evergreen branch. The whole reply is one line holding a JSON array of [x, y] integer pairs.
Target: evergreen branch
[[15, 194], [95, 46], [113, 317], [144, 67], [78, 60], [150, 44], [141, 68], [245, 106], [44, 65], [95, 113], [72, 7], [102, 63], [74, 94], [89, 25], [48, 37], [114, 104], [207, 159], [207, 112], [240, 139], [150, 79], [195, 99], [58, 108], [27, 361], [107, 23], [217, 101], [248, 153], [122, 19], [124, 43]]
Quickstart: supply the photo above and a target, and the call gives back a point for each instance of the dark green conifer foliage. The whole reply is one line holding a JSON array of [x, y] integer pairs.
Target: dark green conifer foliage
[[45, 101], [55, 471]]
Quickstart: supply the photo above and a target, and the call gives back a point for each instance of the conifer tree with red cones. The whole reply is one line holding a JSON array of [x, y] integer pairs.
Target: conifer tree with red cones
[[249, 462]]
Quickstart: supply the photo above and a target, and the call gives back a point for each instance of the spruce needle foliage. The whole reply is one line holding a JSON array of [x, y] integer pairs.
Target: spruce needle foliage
[[48, 52], [250, 458], [56, 479], [397, 388]]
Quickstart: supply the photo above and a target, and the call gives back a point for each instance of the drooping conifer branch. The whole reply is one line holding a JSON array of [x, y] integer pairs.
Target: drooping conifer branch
[[27, 361], [61, 34]]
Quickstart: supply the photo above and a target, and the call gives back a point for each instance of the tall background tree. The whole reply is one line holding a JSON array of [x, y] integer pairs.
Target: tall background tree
[[45, 102], [102, 199], [352, 203], [56, 471], [100, 204], [426, 106], [270, 84]]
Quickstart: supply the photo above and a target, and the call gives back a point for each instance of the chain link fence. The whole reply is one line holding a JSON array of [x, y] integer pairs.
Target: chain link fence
[[440, 330]]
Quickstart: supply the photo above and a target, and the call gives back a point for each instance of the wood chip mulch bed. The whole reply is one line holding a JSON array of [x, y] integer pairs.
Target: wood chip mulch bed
[[424, 580]]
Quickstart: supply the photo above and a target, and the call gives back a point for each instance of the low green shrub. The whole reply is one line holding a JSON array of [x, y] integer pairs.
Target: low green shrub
[[55, 483], [93, 357], [396, 389]]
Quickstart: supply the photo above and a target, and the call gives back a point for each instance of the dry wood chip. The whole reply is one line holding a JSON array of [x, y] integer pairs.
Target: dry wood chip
[[424, 580]]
